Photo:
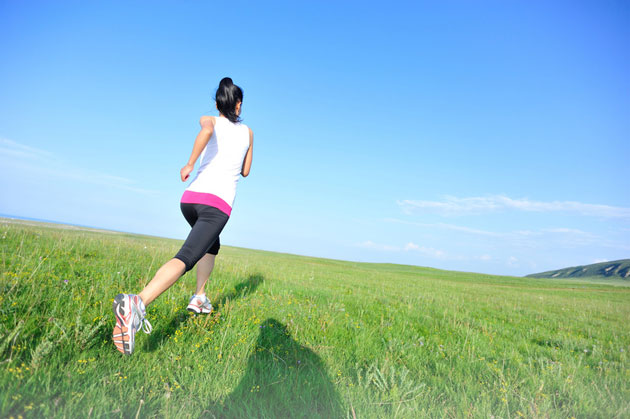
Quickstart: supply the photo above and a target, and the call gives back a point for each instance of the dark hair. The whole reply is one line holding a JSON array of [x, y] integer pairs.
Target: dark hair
[[227, 96]]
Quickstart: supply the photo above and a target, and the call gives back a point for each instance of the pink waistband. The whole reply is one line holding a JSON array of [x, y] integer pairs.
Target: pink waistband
[[191, 197]]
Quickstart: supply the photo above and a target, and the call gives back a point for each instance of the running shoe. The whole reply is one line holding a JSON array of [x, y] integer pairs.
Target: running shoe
[[129, 311], [199, 304]]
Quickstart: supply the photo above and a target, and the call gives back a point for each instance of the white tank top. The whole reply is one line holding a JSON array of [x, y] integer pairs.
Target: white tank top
[[221, 162]]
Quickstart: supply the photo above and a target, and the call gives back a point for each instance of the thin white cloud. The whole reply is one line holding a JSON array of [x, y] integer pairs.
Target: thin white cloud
[[13, 149], [474, 231], [454, 206], [561, 230], [446, 226], [371, 245], [409, 247], [556, 236], [36, 160], [428, 251]]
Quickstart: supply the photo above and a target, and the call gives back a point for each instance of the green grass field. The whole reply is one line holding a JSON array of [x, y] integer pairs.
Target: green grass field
[[296, 336]]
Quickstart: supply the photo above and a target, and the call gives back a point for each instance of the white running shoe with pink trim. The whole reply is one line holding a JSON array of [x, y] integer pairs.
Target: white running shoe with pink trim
[[129, 311], [199, 304]]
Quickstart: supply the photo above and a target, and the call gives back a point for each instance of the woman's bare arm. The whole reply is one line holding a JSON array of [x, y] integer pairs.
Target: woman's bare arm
[[247, 161], [207, 127]]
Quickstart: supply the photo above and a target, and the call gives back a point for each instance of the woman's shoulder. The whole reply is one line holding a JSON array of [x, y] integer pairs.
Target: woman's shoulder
[[249, 131], [207, 121], [243, 126]]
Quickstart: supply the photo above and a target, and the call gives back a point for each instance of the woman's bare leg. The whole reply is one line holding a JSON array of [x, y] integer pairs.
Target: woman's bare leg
[[204, 269], [166, 276]]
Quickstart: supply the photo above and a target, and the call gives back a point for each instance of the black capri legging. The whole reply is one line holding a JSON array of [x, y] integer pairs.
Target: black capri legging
[[207, 223]]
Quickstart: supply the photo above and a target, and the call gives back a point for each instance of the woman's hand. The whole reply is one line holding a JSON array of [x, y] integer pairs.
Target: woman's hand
[[185, 172]]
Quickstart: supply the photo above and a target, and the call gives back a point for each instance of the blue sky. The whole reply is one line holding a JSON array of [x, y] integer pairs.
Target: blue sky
[[479, 136]]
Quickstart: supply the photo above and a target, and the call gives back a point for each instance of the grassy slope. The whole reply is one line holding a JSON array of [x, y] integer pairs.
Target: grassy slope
[[293, 336], [617, 269]]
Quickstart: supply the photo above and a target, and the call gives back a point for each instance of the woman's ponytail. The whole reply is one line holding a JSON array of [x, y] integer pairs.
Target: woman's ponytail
[[227, 96]]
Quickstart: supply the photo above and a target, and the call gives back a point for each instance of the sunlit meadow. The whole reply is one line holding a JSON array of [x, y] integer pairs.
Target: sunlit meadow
[[296, 336]]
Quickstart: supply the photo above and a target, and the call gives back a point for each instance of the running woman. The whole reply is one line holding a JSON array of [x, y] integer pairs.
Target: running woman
[[225, 146]]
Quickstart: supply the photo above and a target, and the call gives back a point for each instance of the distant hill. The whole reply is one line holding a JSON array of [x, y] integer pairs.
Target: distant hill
[[617, 269]]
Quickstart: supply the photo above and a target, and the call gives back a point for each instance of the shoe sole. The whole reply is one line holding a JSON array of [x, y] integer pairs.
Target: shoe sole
[[195, 309], [123, 339]]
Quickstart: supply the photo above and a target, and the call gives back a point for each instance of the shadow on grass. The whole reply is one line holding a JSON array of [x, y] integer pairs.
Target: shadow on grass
[[549, 343], [283, 379], [240, 290]]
